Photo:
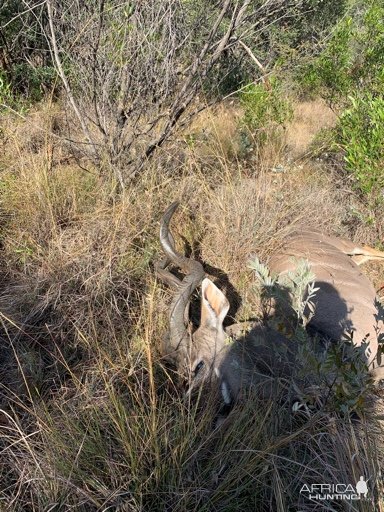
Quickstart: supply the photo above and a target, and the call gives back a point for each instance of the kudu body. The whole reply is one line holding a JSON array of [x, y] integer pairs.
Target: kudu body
[[345, 303]]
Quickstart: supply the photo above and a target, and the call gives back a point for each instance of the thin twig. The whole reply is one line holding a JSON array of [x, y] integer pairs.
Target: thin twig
[[253, 57], [63, 77]]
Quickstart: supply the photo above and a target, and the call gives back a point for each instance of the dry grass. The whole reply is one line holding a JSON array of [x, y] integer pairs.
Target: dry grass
[[91, 420], [309, 118]]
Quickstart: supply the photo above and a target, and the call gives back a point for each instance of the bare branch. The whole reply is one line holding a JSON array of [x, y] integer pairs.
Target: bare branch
[[64, 78]]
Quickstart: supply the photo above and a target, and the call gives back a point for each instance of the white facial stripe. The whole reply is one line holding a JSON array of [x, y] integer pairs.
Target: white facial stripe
[[225, 393]]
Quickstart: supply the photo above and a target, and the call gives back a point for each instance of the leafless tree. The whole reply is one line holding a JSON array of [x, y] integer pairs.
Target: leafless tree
[[132, 70]]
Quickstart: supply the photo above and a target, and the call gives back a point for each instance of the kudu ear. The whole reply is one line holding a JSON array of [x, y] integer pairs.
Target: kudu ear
[[214, 305]]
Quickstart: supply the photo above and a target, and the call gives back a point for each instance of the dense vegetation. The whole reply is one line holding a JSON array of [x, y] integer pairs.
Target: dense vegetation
[[259, 116]]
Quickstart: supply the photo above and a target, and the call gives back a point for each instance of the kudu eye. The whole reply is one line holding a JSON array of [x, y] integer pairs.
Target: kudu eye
[[198, 367]]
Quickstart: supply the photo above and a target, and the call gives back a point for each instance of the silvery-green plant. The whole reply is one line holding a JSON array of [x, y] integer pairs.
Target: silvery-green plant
[[295, 289], [334, 372]]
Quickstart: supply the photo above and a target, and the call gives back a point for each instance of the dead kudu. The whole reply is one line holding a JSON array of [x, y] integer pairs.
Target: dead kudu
[[263, 358]]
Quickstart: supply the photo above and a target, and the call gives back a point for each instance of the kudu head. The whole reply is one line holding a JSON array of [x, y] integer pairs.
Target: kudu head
[[198, 353]]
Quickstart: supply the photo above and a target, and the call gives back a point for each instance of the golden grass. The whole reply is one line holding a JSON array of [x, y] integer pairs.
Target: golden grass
[[91, 418], [309, 118]]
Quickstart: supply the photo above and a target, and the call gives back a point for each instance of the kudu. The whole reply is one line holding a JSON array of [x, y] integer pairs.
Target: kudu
[[345, 302]]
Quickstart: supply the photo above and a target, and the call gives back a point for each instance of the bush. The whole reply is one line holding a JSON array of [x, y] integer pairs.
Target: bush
[[352, 58], [25, 61], [361, 134], [129, 98], [329, 74], [336, 371], [31, 83], [349, 75], [265, 109]]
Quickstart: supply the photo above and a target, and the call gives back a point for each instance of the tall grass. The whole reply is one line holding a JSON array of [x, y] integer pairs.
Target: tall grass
[[92, 419]]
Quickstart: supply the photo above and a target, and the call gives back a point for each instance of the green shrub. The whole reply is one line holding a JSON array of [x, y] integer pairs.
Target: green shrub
[[329, 74], [265, 109], [352, 58], [361, 135], [25, 57], [338, 368], [30, 83], [349, 74], [26, 86]]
